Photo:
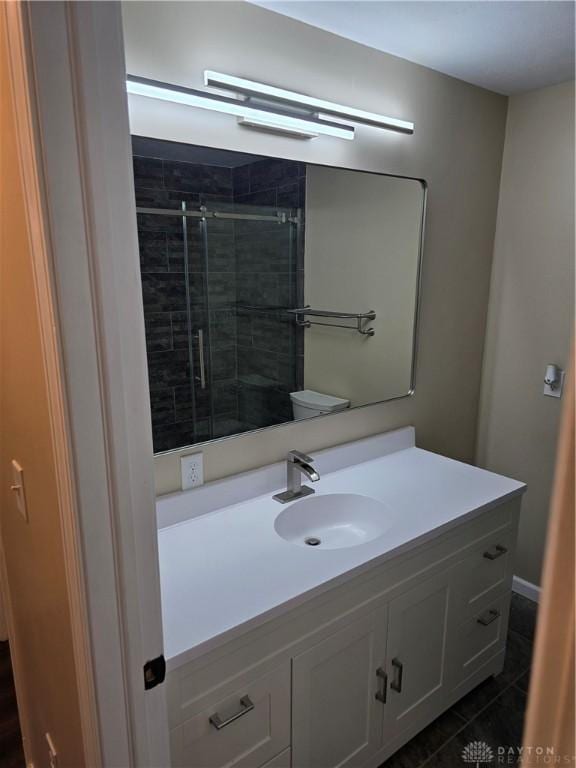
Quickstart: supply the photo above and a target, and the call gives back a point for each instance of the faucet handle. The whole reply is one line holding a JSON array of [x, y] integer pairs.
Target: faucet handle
[[298, 456]]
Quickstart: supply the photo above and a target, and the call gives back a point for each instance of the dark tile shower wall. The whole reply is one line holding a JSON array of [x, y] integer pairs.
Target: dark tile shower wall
[[270, 279], [254, 357], [180, 411]]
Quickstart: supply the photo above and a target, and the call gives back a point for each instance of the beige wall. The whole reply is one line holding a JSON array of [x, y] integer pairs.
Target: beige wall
[[33, 551], [362, 253], [456, 147], [531, 305]]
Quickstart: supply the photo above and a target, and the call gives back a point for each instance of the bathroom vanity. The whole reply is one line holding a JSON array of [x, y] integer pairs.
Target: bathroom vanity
[[281, 653]]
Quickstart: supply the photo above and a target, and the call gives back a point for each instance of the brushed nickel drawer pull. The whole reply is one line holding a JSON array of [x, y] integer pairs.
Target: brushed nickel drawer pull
[[246, 706], [396, 684], [494, 554], [381, 694], [488, 617]]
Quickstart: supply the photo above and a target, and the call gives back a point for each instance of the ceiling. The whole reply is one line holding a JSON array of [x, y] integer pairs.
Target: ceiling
[[507, 46]]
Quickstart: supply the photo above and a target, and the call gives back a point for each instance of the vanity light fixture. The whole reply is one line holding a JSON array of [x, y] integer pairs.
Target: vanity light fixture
[[261, 116], [270, 93]]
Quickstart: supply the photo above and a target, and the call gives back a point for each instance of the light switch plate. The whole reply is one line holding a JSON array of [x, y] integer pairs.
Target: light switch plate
[[52, 753], [18, 490], [557, 391], [192, 470]]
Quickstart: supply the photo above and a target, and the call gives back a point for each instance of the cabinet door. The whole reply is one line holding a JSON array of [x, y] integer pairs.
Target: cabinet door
[[417, 655], [336, 718]]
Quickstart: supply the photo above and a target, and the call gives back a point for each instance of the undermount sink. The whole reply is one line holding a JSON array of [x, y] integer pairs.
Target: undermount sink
[[333, 521]]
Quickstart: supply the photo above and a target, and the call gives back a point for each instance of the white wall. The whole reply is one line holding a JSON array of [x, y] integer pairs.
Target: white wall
[[531, 305], [456, 147], [362, 253]]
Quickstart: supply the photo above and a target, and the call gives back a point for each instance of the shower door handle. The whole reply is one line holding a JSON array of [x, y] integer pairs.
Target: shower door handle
[[202, 377]]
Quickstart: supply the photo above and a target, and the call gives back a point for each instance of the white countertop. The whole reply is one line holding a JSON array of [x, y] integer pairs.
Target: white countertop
[[228, 570]]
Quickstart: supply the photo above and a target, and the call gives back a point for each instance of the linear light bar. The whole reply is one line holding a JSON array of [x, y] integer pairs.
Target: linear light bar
[[266, 117], [270, 124], [270, 92]]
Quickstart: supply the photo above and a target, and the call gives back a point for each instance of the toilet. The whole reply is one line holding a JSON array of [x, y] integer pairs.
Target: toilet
[[307, 403]]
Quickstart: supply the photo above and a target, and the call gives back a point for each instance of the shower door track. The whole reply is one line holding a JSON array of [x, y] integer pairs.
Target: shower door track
[[281, 217]]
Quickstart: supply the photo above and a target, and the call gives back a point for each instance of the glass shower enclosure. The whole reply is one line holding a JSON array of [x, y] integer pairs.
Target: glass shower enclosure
[[217, 281]]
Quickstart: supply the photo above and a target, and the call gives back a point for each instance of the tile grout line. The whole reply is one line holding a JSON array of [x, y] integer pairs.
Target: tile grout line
[[466, 723], [512, 684]]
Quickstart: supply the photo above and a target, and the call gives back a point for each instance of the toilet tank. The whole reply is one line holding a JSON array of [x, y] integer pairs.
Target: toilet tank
[[308, 403]]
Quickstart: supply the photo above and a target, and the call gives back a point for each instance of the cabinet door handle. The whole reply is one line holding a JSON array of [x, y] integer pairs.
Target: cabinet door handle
[[381, 694], [494, 554], [246, 706], [488, 617], [396, 684]]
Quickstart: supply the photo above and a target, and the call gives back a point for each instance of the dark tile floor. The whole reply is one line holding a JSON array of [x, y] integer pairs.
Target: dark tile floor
[[11, 754], [493, 712]]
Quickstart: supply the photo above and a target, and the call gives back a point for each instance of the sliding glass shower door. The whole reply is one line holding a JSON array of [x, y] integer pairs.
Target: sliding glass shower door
[[249, 340], [223, 352]]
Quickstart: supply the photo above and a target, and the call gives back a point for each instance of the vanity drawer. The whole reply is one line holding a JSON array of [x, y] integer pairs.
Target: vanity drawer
[[481, 637], [486, 572], [244, 729]]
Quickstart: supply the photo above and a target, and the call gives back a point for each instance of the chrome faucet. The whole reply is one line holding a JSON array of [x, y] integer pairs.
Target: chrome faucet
[[297, 464]]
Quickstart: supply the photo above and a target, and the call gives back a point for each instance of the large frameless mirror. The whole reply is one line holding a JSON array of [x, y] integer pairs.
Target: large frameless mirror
[[273, 290]]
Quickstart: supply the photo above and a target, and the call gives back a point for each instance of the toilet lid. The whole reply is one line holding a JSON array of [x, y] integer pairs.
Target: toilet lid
[[311, 399]]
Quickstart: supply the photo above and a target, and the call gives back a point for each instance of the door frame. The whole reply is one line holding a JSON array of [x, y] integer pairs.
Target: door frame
[[19, 86], [68, 68]]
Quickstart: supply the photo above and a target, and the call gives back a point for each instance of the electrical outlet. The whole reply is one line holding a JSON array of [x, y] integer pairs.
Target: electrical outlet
[[192, 470]]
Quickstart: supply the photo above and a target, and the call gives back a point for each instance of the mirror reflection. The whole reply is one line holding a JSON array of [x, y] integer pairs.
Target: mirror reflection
[[273, 290]]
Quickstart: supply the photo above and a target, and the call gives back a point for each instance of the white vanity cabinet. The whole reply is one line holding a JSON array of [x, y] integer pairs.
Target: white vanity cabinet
[[349, 676]]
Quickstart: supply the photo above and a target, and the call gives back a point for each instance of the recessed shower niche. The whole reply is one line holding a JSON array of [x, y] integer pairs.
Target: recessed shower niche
[[273, 289]]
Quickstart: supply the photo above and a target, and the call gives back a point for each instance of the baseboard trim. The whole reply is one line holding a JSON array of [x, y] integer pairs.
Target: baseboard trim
[[526, 589]]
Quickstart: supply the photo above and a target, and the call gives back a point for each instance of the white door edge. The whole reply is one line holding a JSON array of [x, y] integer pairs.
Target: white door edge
[[77, 56]]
